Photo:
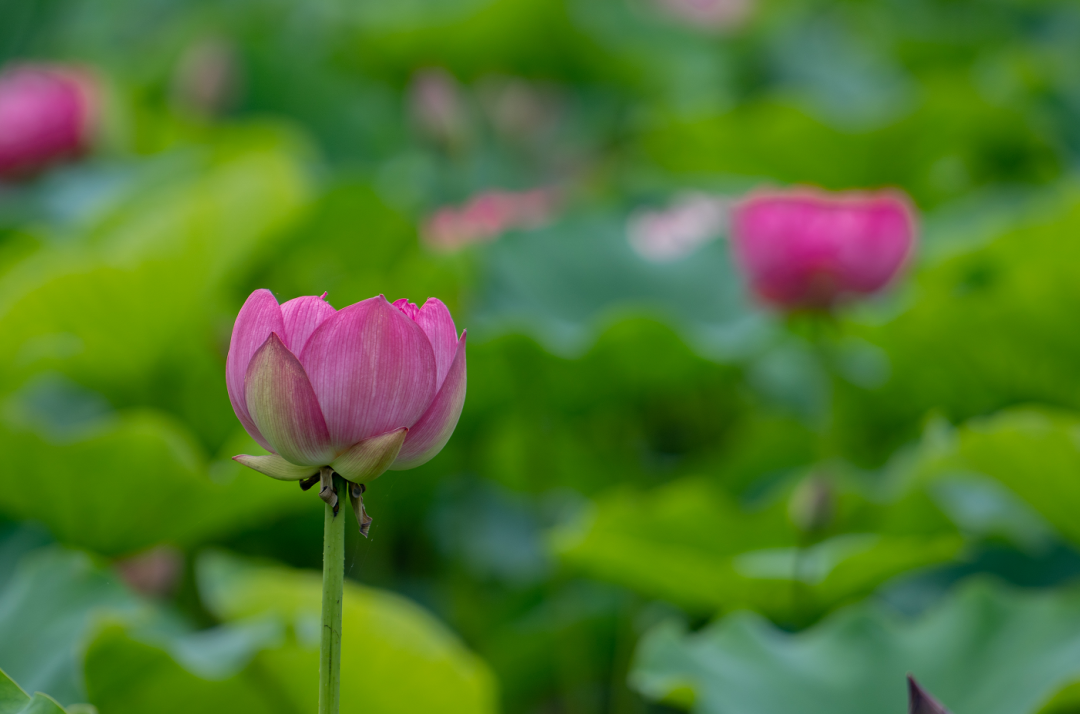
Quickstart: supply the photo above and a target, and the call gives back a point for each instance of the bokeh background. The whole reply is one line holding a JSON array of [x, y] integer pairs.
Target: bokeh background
[[661, 496]]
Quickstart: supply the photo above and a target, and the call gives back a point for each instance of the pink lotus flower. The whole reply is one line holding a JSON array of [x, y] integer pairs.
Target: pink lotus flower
[[670, 234], [809, 249], [362, 389], [487, 216], [47, 113], [708, 15]]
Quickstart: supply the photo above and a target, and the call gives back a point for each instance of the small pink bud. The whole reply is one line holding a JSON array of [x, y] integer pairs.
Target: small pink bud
[[805, 248], [358, 390], [48, 114]]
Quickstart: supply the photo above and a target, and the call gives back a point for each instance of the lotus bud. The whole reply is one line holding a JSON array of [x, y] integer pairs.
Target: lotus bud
[[920, 702], [812, 505], [48, 113], [355, 391], [806, 249]]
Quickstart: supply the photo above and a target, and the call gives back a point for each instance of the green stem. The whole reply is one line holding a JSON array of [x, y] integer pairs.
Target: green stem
[[333, 586]]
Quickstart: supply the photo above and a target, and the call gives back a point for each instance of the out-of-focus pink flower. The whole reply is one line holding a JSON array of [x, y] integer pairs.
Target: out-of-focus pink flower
[[809, 249], [48, 113], [153, 572], [691, 221], [437, 105], [487, 216], [362, 389], [708, 15]]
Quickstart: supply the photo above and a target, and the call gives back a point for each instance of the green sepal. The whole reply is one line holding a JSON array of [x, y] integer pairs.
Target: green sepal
[[275, 467]]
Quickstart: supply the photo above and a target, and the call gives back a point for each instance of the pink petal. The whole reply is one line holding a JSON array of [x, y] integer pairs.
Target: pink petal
[[434, 319], [429, 435], [259, 316], [373, 371], [408, 308], [283, 405], [368, 459], [302, 315]]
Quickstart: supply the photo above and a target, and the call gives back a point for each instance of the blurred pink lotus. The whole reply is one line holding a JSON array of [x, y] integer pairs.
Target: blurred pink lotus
[[48, 113], [362, 389], [806, 248], [708, 15], [487, 216], [667, 235]]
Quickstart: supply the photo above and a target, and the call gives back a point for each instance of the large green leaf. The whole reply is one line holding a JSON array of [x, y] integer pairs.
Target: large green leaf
[[986, 650], [559, 283], [13, 700], [1033, 453], [689, 543], [126, 675], [983, 329], [117, 484], [48, 611], [395, 656], [126, 289]]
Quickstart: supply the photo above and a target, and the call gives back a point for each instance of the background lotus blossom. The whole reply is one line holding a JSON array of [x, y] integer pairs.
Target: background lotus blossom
[[809, 249], [708, 15], [47, 113], [362, 389], [667, 235], [487, 216]]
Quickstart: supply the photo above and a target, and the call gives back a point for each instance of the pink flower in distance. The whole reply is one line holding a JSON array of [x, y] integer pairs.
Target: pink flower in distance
[[362, 389], [806, 248], [670, 234], [487, 216], [47, 113], [708, 15]]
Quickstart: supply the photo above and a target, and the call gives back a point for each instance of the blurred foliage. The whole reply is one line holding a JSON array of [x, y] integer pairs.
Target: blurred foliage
[[984, 649], [659, 495]]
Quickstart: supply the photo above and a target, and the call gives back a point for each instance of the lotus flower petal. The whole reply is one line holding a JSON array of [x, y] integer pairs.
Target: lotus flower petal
[[259, 316], [283, 405], [276, 467], [435, 320], [301, 316], [369, 458], [429, 435], [372, 369]]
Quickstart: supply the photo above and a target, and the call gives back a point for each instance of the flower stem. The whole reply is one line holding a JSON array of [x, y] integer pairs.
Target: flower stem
[[333, 586]]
